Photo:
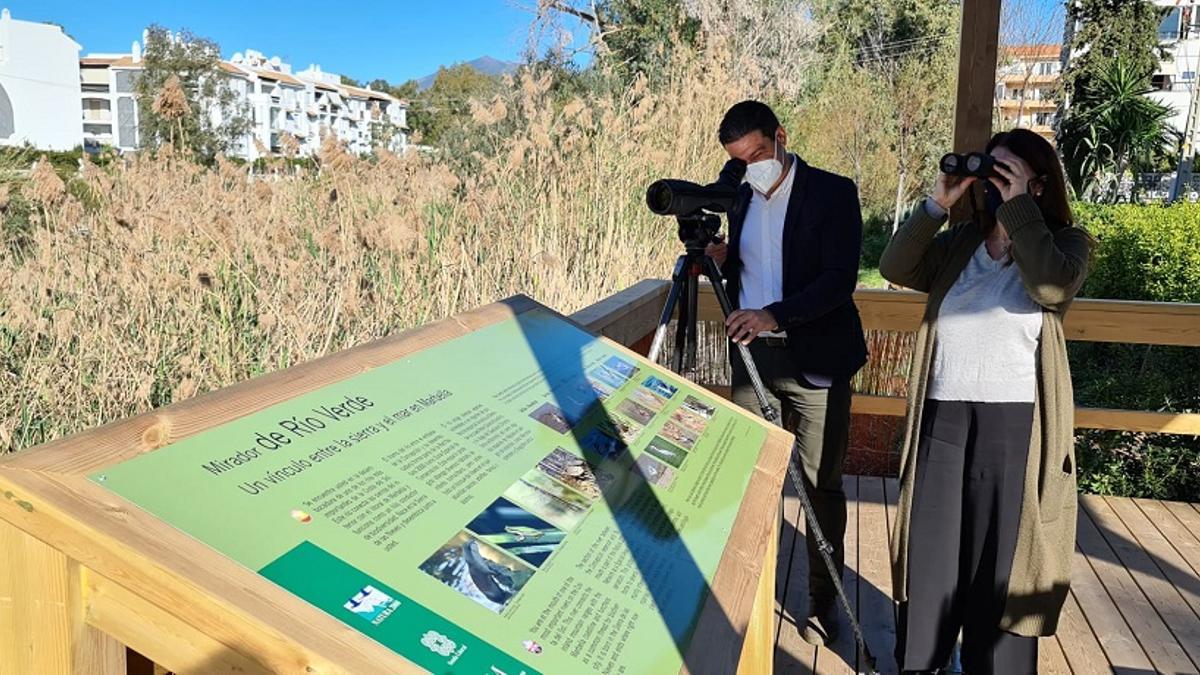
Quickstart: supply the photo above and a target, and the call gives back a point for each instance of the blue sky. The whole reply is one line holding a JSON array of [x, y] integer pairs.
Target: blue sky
[[393, 40], [365, 40]]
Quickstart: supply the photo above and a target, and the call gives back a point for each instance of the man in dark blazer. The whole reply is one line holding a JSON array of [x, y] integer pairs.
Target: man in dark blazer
[[791, 267]]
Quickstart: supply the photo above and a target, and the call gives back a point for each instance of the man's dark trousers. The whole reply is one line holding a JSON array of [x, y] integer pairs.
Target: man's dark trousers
[[820, 419]]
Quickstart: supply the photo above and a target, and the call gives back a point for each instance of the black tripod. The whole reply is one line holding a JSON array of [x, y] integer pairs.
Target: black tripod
[[696, 231]]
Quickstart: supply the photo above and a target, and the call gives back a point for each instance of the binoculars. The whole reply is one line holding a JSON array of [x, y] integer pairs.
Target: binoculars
[[976, 164]]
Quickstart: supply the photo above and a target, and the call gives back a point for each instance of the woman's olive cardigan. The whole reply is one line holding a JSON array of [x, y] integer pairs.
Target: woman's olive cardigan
[[1052, 265]]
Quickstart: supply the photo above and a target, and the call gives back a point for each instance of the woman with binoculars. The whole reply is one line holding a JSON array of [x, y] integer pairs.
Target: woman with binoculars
[[986, 520]]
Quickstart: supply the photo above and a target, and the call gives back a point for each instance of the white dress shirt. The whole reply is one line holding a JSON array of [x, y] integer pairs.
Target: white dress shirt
[[761, 252]]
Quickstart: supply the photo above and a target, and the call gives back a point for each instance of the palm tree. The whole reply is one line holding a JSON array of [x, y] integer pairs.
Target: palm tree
[[1114, 127]]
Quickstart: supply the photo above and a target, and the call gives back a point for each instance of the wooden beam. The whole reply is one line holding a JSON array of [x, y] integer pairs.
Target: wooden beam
[[978, 40], [629, 315], [979, 37], [1122, 321], [42, 598], [174, 643], [1085, 418], [1138, 420], [1089, 320]]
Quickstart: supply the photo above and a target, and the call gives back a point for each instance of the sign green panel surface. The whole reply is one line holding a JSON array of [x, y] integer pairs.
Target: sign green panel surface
[[524, 498]]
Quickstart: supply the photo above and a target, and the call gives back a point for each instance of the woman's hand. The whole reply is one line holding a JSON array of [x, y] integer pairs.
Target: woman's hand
[[1014, 177], [949, 189]]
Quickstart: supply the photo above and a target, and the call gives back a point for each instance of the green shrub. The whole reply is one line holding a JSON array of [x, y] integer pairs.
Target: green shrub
[[1142, 253], [65, 162]]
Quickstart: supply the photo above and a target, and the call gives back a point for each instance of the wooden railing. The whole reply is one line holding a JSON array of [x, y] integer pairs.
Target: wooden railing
[[629, 317]]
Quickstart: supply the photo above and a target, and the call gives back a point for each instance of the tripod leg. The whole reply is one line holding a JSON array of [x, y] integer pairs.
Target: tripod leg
[[814, 528], [668, 310], [691, 337], [760, 390], [685, 321]]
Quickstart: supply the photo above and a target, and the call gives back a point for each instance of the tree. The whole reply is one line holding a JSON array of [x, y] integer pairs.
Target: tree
[[1024, 24], [907, 47], [1107, 31], [184, 97], [1115, 127], [446, 104], [1113, 51], [347, 80], [405, 92], [631, 36], [858, 144]]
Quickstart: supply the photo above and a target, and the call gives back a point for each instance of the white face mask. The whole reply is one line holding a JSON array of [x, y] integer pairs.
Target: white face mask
[[763, 174]]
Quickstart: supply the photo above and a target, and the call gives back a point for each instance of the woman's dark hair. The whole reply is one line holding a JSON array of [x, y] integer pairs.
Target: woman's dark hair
[[745, 117], [1043, 159]]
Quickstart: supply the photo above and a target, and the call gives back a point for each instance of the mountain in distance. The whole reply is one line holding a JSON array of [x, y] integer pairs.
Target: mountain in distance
[[484, 64]]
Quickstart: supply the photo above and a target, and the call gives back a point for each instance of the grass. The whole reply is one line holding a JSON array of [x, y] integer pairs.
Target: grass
[[869, 277]]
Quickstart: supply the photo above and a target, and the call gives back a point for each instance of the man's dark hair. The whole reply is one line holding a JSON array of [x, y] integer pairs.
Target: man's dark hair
[[745, 117]]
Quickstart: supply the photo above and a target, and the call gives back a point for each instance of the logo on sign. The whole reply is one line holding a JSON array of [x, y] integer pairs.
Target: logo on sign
[[372, 604], [437, 643]]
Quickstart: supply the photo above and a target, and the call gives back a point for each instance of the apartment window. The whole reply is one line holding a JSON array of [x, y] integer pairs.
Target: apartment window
[[1161, 82], [126, 122], [1043, 119], [1169, 28], [1047, 67], [1188, 75], [125, 81]]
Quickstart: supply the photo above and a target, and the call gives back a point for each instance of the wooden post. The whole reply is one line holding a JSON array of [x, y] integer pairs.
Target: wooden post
[[758, 650], [42, 609], [978, 37]]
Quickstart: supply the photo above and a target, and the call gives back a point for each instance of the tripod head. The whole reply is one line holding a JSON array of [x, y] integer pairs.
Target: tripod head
[[698, 230]]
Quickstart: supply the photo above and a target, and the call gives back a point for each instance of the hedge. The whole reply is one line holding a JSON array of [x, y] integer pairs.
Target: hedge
[[1143, 252]]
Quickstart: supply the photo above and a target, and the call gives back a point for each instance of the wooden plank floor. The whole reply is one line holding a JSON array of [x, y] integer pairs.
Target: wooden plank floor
[[1134, 605]]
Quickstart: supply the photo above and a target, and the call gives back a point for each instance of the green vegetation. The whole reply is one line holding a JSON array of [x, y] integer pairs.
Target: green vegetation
[[1144, 253], [1114, 127], [179, 71], [1110, 126]]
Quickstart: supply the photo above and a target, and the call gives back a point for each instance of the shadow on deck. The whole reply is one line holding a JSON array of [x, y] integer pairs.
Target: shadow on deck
[[1134, 605]]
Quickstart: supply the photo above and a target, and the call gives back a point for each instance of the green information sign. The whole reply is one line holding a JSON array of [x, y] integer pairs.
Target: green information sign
[[525, 498]]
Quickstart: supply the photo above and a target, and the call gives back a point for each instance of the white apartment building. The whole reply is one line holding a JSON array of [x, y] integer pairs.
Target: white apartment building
[[110, 115], [1026, 81], [304, 106], [1175, 76], [39, 85]]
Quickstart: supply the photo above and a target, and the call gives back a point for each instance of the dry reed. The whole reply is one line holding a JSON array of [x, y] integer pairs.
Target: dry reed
[[156, 278]]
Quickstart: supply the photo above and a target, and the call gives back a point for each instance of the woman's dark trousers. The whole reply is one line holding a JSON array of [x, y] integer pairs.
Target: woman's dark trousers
[[966, 507]]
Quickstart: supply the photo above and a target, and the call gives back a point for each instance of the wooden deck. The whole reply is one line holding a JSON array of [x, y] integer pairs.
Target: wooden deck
[[1134, 605]]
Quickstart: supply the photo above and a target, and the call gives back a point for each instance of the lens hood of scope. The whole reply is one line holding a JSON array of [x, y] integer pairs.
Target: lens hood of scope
[[671, 197]]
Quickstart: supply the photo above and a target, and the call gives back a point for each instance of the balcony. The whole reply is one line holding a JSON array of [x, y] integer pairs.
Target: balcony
[[97, 116], [1028, 105], [1019, 79]]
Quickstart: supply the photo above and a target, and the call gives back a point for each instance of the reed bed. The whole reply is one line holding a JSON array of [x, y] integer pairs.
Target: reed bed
[[156, 278]]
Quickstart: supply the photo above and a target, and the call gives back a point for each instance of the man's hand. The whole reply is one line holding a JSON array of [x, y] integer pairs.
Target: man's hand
[[745, 324], [717, 250]]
